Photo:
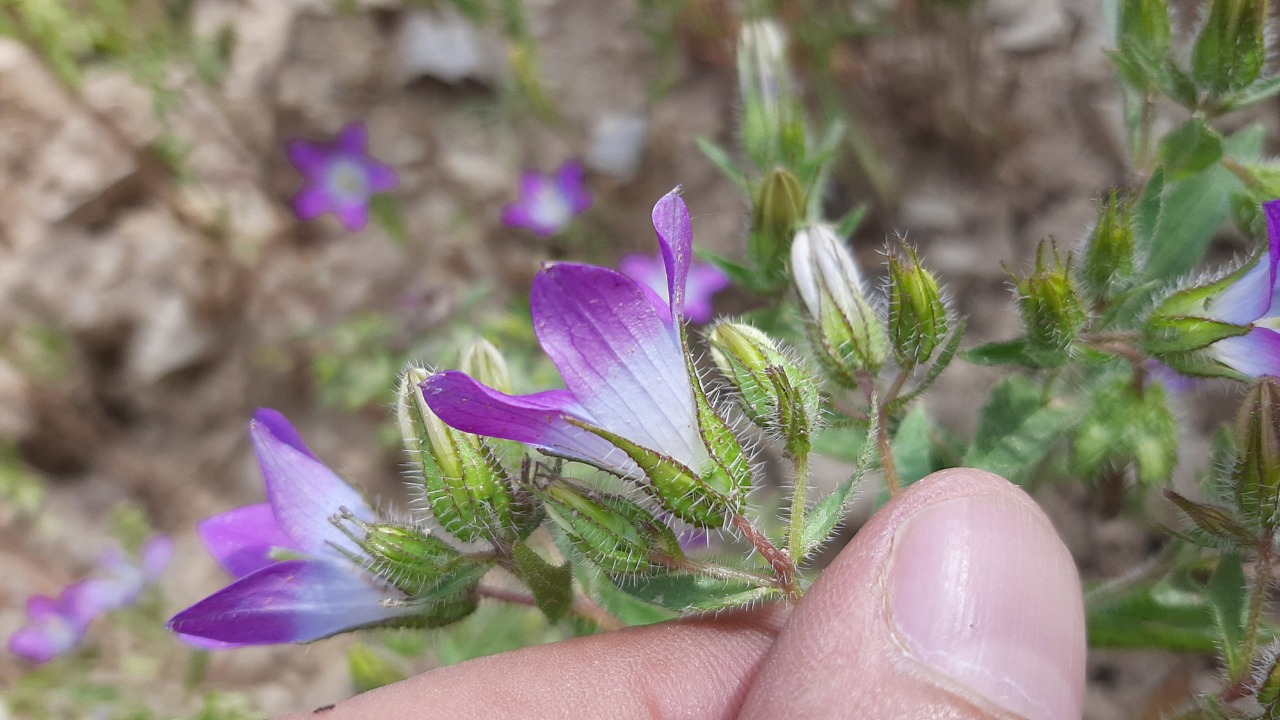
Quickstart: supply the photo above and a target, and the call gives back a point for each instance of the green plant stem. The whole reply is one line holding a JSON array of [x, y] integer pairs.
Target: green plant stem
[[799, 501], [1257, 600], [583, 606], [724, 572], [892, 481], [784, 566]]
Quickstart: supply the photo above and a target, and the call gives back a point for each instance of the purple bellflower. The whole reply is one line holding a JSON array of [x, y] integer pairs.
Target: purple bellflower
[[1253, 301], [340, 177], [704, 281], [57, 625], [298, 576], [548, 201], [620, 348]]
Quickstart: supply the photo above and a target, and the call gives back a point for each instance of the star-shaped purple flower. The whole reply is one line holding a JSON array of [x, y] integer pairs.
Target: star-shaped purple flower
[[340, 177], [704, 281], [548, 201], [297, 576]]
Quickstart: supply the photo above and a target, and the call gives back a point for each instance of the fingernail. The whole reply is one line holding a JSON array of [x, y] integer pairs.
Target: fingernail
[[984, 593]]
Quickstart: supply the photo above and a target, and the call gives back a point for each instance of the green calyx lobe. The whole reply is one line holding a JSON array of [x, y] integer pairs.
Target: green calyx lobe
[[611, 531], [917, 315], [466, 486], [775, 392], [1257, 471]]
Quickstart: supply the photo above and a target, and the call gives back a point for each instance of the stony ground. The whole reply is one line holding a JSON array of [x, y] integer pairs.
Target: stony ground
[[179, 307]]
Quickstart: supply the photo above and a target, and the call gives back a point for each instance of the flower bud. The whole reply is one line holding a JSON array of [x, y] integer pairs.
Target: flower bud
[[775, 391], [466, 486], [779, 207], [847, 334], [772, 122], [482, 361], [1257, 435], [1109, 260], [917, 315], [1231, 48], [427, 569], [612, 532], [1051, 308]]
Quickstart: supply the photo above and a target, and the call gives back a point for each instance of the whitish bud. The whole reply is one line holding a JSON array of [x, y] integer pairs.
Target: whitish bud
[[772, 122], [917, 315], [847, 334], [482, 361]]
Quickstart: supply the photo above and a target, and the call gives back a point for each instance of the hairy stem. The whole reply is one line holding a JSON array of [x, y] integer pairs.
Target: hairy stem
[[892, 481], [784, 566], [1257, 600], [799, 500]]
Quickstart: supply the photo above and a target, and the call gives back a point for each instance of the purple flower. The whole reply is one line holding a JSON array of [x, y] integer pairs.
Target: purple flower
[[1251, 301], [704, 281], [297, 574], [620, 348], [55, 625], [548, 202], [122, 582], [340, 177]]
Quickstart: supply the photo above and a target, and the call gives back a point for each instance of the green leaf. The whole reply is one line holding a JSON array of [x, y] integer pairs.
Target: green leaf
[[1263, 89], [1190, 148], [852, 220], [1161, 617], [1016, 429], [1227, 594], [842, 443], [1176, 220], [741, 275], [823, 519], [721, 160], [552, 586], [686, 593], [913, 446], [1008, 352]]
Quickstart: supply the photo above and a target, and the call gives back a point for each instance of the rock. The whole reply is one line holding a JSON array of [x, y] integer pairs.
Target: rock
[[445, 46], [1028, 26], [617, 144], [169, 339]]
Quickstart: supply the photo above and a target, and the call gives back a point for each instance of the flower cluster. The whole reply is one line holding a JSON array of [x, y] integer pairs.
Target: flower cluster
[[57, 625]]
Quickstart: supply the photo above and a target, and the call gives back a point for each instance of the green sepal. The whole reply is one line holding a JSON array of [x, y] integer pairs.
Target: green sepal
[[1214, 520], [1172, 334], [1109, 265], [1231, 48], [1051, 307], [779, 207], [610, 531], [695, 593], [1256, 476], [917, 315]]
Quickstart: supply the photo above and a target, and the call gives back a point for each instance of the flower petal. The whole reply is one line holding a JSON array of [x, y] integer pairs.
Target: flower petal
[[354, 217], [569, 178], [310, 158], [52, 629], [291, 601], [705, 280], [618, 358], [381, 177], [311, 202], [675, 237], [649, 272], [353, 139], [157, 553], [241, 540], [1247, 299], [540, 420], [1256, 353], [303, 492]]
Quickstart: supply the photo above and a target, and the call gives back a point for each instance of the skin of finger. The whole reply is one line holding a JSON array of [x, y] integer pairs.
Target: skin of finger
[[837, 655], [697, 667]]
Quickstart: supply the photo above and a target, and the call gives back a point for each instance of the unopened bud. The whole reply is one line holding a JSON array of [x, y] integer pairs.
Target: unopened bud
[[611, 531], [775, 391], [1231, 49], [1257, 472], [779, 207], [465, 485], [917, 315], [426, 568], [1051, 307], [1109, 260], [772, 122], [482, 361], [847, 334], [1144, 24]]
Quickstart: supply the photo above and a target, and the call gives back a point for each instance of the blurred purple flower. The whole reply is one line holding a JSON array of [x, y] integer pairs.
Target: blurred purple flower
[[705, 280], [58, 625], [548, 202], [339, 177], [54, 626], [297, 574]]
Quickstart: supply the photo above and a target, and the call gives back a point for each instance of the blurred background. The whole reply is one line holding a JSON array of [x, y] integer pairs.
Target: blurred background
[[156, 286]]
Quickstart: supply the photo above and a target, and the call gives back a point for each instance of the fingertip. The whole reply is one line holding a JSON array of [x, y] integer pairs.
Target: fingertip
[[958, 599]]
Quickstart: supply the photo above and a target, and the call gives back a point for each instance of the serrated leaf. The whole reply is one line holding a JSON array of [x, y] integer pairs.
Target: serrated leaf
[[1016, 429], [1176, 220], [1190, 148], [552, 586], [688, 593], [1227, 595], [720, 158]]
